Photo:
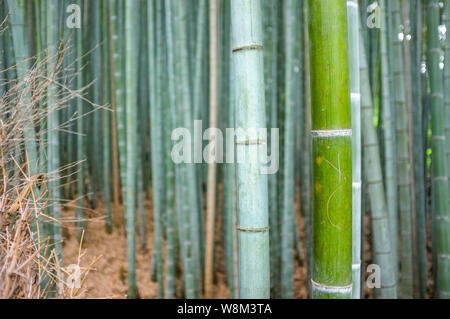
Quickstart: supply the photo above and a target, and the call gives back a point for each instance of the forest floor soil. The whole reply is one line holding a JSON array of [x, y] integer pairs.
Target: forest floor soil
[[108, 276]]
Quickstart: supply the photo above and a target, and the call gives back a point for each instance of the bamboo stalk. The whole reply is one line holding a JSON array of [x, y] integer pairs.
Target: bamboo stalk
[[355, 97], [211, 191], [53, 122], [331, 150], [403, 158], [383, 255], [253, 231], [441, 213], [389, 140], [106, 116], [447, 86], [131, 71], [418, 146]]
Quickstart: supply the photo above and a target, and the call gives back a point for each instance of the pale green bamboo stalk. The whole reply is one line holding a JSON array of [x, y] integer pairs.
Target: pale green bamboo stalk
[[441, 212], [253, 219], [290, 17], [403, 158], [355, 97], [447, 86], [131, 72], [383, 255], [157, 151], [389, 140], [106, 115], [191, 209], [418, 146], [212, 168], [183, 220], [53, 161], [117, 27], [81, 151], [271, 40]]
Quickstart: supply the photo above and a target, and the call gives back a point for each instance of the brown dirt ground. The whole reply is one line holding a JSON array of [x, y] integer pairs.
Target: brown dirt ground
[[108, 277]]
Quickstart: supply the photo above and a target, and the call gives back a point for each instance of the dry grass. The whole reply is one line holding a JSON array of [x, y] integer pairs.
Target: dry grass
[[29, 267]]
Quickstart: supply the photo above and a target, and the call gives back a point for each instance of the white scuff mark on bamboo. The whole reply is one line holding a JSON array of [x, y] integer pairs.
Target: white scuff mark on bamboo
[[331, 133], [332, 289]]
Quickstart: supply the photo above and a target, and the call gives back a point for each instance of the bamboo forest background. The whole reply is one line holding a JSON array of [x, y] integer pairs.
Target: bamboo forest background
[[360, 92]]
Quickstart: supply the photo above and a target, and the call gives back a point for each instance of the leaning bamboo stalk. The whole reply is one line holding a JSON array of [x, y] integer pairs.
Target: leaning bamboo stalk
[[331, 150]]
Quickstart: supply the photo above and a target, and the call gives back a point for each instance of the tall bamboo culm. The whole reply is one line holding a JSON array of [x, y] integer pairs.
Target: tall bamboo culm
[[331, 150], [441, 214], [382, 244], [53, 163], [131, 71], [447, 86], [403, 156], [355, 96], [390, 156], [253, 219]]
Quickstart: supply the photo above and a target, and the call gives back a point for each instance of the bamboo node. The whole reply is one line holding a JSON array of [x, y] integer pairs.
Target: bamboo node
[[249, 47], [254, 230], [332, 289], [331, 133]]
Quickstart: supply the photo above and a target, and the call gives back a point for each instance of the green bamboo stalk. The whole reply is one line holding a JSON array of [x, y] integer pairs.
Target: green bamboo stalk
[[418, 145], [106, 115], [253, 219], [331, 150], [131, 71], [290, 17], [441, 214], [157, 152], [117, 27], [171, 248], [383, 255], [306, 199], [229, 190], [81, 151], [403, 158], [447, 86], [192, 210], [212, 175], [171, 234], [95, 65], [53, 161], [271, 66], [22, 55], [389, 140], [409, 126], [183, 220], [355, 95]]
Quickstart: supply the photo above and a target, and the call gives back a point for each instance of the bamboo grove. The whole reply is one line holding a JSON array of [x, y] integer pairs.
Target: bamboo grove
[[354, 98]]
